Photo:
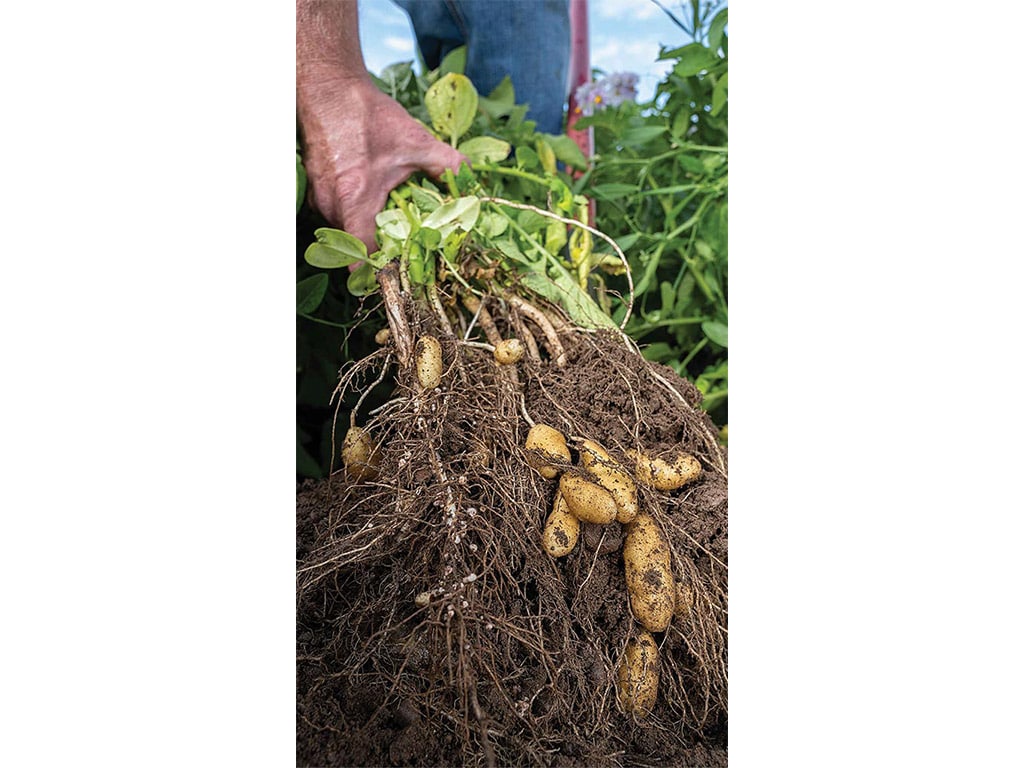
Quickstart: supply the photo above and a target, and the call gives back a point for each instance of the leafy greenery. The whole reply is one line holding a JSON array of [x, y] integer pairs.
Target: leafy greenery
[[659, 180]]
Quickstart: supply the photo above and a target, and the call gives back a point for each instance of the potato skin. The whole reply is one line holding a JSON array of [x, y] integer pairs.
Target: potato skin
[[550, 443], [638, 675], [360, 455], [509, 352], [562, 530], [587, 501], [663, 476], [428, 362], [649, 579], [684, 599], [611, 476]]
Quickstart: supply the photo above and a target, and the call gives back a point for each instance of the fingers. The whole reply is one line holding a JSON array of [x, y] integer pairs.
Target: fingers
[[439, 157]]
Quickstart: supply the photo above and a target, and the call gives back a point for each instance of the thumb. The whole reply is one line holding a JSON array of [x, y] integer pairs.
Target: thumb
[[439, 157]]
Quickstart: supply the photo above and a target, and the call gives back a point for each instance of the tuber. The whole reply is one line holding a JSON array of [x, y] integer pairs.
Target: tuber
[[611, 476], [545, 447], [649, 579], [562, 530], [587, 501], [428, 362], [638, 675]]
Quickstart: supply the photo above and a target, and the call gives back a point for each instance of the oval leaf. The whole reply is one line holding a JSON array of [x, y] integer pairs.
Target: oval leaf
[[310, 292], [362, 281], [485, 149], [716, 331], [460, 213], [451, 103], [335, 248]]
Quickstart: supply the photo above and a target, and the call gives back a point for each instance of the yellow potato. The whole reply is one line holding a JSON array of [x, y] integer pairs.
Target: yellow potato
[[428, 361], [508, 352], [660, 474], [551, 449], [649, 579], [611, 476], [684, 599], [359, 454], [638, 675], [562, 530], [587, 501], [382, 336]]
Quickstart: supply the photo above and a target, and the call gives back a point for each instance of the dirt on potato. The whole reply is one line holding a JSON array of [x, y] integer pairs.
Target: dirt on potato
[[433, 629]]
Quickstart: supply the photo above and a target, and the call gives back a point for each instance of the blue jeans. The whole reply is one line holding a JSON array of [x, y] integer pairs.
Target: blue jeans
[[528, 40]]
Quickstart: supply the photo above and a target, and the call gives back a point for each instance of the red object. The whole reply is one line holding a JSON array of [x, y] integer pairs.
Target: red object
[[579, 73]]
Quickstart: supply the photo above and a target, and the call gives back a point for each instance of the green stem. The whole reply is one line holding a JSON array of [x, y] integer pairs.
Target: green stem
[[323, 322], [640, 330]]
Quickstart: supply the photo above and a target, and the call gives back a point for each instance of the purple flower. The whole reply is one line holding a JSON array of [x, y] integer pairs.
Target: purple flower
[[610, 91]]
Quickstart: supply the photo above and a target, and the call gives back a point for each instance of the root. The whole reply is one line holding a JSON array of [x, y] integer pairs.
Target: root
[[428, 587], [553, 345], [387, 279]]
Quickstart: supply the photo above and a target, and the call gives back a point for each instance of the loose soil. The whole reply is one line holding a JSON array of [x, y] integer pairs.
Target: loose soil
[[432, 627]]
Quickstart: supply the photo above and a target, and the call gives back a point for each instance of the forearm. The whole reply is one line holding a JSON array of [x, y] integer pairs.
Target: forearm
[[327, 42]]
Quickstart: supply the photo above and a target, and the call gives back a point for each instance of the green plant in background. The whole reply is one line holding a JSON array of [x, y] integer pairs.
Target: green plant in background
[[659, 178]]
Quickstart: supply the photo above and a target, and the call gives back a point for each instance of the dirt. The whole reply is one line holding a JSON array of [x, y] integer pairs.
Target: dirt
[[432, 627]]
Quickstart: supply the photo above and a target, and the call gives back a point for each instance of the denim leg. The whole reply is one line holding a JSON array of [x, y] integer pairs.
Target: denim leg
[[528, 40]]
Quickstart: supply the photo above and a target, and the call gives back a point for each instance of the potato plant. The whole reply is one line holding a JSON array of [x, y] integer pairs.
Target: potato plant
[[497, 549]]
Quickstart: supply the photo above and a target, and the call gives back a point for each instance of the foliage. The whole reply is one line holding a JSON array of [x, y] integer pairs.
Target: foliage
[[660, 178]]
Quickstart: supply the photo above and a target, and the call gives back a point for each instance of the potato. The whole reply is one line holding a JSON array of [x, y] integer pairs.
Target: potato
[[428, 361], [684, 599], [638, 675], [611, 476], [562, 530], [649, 579], [508, 352], [587, 501], [660, 474], [382, 336], [359, 454], [551, 448]]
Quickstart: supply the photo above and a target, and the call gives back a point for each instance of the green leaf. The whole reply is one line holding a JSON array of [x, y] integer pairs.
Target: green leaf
[[716, 331], [668, 298], [455, 61], [451, 103], [613, 190], [310, 292], [326, 257], [566, 150], [693, 58], [503, 92], [492, 225], [361, 281], [717, 29], [639, 135], [627, 241], [526, 158], [300, 182], [510, 250], [460, 213], [393, 223], [501, 102], [720, 94], [485, 149], [428, 237], [531, 221], [563, 290], [659, 352]]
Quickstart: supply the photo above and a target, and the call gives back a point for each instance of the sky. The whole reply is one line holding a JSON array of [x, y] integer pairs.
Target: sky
[[625, 35]]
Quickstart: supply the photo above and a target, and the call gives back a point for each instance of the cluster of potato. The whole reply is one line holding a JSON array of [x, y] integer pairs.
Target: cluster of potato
[[599, 490]]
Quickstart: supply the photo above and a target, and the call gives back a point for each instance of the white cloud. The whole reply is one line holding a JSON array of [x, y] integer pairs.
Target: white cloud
[[630, 9], [400, 44]]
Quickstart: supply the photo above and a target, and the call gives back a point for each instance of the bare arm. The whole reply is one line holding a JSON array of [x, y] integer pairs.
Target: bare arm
[[358, 143]]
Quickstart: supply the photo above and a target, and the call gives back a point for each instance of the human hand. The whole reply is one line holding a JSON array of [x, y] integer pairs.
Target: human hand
[[359, 144]]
